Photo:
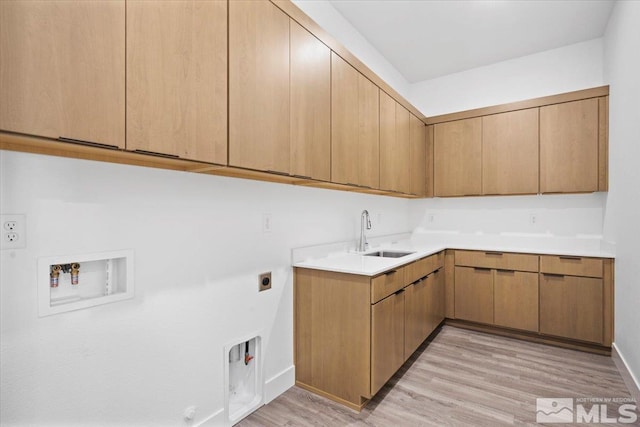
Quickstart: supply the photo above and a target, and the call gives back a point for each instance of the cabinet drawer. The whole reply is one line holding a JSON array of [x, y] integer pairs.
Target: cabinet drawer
[[571, 265], [423, 267], [498, 260], [387, 283]]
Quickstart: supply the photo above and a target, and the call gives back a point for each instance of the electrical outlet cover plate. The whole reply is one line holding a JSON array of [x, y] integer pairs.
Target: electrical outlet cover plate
[[14, 227]]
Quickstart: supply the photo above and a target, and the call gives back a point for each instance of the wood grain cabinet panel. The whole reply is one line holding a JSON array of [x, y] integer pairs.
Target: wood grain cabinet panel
[[62, 69], [516, 300], [387, 339], [259, 101], [355, 127], [395, 146], [177, 78], [474, 294], [310, 105], [458, 158], [510, 153], [416, 320], [569, 147], [435, 300], [572, 307], [572, 265], [499, 260], [429, 170], [418, 157], [333, 333]]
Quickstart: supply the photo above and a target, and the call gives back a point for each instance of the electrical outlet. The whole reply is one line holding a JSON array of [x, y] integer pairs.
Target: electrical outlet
[[266, 223], [13, 231], [533, 218], [264, 281]]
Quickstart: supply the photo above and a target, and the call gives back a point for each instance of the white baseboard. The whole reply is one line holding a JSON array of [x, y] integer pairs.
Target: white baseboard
[[214, 420], [279, 383], [630, 380]]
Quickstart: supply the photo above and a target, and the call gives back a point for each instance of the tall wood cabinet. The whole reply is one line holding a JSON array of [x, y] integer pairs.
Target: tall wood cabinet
[[177, 78], [62, 69], [310, 105], [569, 147], [418, 157], [510, 152], [458, 158], [355, 157], [259, 101], [395, 146]]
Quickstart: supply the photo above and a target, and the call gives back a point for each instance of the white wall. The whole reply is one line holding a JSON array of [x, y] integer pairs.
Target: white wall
[[199, 247], [332, 21], [622, 68], [569, 68]]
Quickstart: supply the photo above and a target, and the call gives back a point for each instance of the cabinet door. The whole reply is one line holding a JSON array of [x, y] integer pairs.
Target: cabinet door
[[310, 105], [387, 339], [435, 300], [418, 157], [394, 145], [415, 320], [429, 172], [62, 69], [354, 126], [458, 158], [177, 78], [571, 307], [258, 86], [569, 147], [474, 294], [516, 300], [510, 153]]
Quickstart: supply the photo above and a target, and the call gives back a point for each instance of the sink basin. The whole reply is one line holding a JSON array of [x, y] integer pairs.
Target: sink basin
[[389, 254]]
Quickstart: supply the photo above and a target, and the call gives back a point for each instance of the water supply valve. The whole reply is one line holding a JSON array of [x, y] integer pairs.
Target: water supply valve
[[54, 275], [75, 272]]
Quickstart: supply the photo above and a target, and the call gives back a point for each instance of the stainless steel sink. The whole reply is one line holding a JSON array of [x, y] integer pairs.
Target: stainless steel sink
[[389, 254]]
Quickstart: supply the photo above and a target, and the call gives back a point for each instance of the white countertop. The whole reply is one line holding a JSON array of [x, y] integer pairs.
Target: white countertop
[[340, 258]]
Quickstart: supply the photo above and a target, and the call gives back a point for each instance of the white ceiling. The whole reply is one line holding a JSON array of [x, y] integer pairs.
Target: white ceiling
[[424, 39]]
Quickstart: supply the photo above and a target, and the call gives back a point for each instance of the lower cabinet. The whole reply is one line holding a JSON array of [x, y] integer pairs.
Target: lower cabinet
[[387, 339], [474, 294], [558, 296], [572, 307], [515, 300], [353, 332]]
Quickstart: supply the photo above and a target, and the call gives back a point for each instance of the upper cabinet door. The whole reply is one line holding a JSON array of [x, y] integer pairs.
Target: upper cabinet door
[[429, 172], [310, 105], [62, 69], [354, 126], [177, 78], [458, 158], [394, 145], [569, 147], [258, 86], [510, 153], [418, 156]]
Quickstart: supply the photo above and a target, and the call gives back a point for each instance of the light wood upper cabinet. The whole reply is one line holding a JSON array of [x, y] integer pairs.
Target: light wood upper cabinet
[[569, 147], [177, 78], [510, 153], [62, 69], [310, 105], [259, 99], [458, 158], [354, 126], [395, 146], [429, 170], [418, 156]]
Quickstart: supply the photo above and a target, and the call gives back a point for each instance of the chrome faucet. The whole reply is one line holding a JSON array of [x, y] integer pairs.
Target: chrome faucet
[[363, 245]]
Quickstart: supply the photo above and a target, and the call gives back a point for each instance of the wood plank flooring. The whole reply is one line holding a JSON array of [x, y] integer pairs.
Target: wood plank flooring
[[461, 378]]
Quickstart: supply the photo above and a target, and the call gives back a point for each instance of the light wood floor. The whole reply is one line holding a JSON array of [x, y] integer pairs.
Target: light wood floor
[[461, 378]]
